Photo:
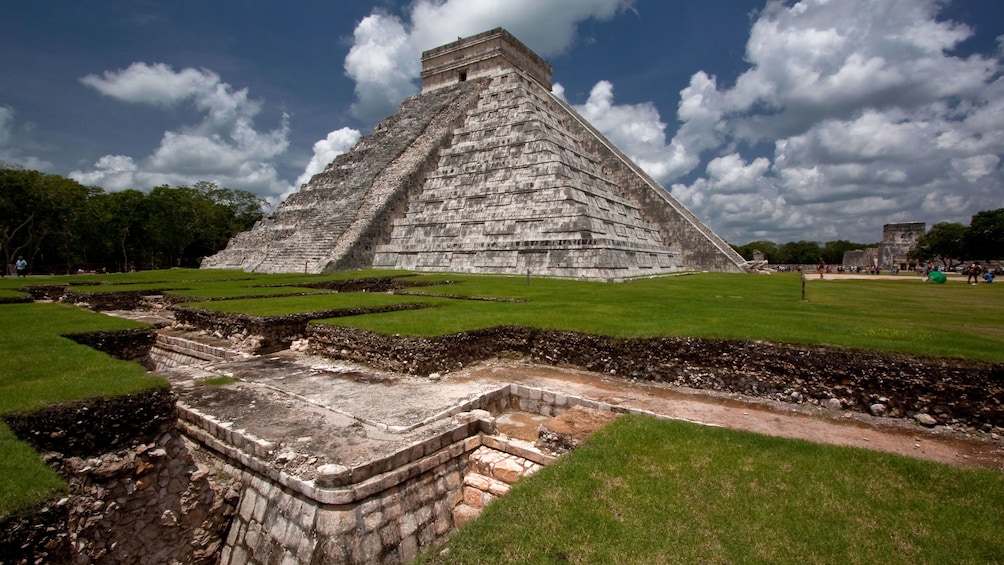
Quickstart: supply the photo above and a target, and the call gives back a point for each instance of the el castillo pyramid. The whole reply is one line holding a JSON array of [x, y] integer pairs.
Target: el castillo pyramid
[[485, 171]]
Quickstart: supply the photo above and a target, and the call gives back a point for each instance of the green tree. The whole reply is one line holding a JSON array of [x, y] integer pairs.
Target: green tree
[[59, 223], [16, 210], [800, 253], [228, 212], [985, 237], [188, 223], [123, 240], [944, 241], [768, 248], [63, 206], [42, 217], [174, 223], [833, 251]]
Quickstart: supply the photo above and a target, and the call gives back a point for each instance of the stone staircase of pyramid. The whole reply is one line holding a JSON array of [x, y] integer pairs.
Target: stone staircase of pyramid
[[487, 172], [400, 180], [317, 227]]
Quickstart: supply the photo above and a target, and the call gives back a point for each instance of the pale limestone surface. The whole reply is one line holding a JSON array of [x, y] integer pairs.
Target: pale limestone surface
[[485, 171]]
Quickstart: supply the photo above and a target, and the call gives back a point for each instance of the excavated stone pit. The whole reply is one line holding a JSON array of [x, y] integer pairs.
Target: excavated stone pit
[[952, 391], [333, 417]]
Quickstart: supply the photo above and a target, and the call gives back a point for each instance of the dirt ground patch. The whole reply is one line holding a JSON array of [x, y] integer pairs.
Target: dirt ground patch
[[809, 423]]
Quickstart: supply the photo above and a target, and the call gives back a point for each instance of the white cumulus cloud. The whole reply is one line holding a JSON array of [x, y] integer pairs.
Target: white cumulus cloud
[[158, 83], [871, 116], [6, 125], [385, 57], [225, 147], [635, 129], [337, 142], [851, 114], [384, 64], [113, 172], [14, 138]]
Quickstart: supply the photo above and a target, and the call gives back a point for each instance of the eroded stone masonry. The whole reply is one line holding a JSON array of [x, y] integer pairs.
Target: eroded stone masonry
[[284, 441], [485, 171]]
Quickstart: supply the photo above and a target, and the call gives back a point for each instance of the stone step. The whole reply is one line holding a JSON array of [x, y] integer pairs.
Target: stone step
[[173, 348], [463, 514]]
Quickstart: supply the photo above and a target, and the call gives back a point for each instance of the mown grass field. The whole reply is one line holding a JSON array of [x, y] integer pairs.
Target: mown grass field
[[39, 367], [645, 491], [665, 493], [953, 320]]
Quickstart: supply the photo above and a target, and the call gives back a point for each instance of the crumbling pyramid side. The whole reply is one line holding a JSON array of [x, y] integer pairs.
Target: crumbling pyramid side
[[527, 185], [486, 171], [335, 219]]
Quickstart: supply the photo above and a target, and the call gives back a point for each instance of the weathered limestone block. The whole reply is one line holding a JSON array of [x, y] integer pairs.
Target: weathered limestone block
[[275, 524], [141, 503], [485, 171]]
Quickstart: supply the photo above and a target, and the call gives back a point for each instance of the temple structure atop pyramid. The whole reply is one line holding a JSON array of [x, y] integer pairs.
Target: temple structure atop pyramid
[[484, 171]]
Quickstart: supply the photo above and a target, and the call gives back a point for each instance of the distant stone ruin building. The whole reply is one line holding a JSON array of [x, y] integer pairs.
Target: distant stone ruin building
[[863, 258], [897, 240], [484, 171]]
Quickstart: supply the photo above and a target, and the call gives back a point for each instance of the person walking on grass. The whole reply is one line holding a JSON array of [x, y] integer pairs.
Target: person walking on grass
[[21, 266], [974, 273]]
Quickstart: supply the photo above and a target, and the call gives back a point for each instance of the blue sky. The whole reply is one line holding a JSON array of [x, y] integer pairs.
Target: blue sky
[[778, 120]]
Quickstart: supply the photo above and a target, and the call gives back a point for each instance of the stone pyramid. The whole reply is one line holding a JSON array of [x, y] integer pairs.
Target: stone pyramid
[[485, 171]]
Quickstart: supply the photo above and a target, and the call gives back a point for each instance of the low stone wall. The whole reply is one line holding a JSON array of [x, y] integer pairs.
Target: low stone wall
[[130, 345], [264, 334], [54, 292], [375, 284], [951, 391], [97, 425], [419, 356], [113, 300], [276, 525], [380, 511], [136, 495], [97, 301]]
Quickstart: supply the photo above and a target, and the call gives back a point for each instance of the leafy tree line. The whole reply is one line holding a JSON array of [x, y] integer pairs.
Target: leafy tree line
[[60, 226], [951, 242], [946, 242], [800, 252]]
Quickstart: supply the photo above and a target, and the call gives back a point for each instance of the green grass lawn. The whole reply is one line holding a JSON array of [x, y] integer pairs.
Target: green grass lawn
[[644, 491], [39, 367], [953, 320], [671, 493], [314, 302]]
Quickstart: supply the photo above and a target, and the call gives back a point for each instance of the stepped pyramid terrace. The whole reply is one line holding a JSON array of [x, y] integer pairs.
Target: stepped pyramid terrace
[[484, 171]]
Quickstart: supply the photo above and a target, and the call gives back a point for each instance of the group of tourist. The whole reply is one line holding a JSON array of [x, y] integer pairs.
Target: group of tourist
[[976, 271], [872, 270]]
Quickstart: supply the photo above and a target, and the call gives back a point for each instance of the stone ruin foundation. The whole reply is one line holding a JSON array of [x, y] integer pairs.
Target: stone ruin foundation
[[136, 495], [173, 476]]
